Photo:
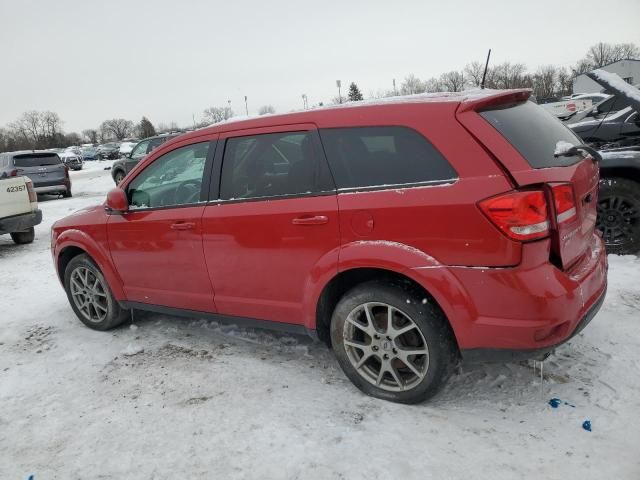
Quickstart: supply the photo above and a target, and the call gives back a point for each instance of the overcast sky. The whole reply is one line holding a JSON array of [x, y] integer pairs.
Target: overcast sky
[[93, 60]]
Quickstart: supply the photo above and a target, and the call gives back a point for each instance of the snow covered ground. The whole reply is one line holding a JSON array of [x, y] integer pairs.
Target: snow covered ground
[[176, 398]]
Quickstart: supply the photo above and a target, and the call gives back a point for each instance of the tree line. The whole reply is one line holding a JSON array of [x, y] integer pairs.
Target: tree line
[[40, 130]]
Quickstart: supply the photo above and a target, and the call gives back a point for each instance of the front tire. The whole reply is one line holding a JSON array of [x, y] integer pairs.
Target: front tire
[[619, 215], [90, 296], [22, 238], [118, 177], [392, 343]]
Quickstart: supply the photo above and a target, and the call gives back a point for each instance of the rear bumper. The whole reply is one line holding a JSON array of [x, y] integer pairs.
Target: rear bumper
[[19, 223], [526, 310], [505, 355], [53, 188]]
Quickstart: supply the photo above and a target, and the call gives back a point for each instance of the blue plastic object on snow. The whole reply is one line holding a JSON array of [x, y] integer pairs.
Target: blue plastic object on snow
[[586, 425], [556, 402]]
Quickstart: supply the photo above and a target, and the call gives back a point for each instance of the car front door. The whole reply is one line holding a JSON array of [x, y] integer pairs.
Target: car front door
[[156, 246], [275, 226]]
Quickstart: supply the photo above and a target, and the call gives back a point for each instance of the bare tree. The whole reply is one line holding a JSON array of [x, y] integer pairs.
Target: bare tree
[[453, 81], [216, 114], [474, 71], [544, 81], [90, 135], [564, 82], [116, 129], [508, 75], [433, 85], [412, 84], [265, 109]]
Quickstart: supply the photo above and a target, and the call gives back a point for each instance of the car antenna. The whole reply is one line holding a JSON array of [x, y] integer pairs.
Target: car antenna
[[486, 67]]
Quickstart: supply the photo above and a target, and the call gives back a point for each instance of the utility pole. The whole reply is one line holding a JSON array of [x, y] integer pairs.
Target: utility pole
[[339, 84], [246, 105], [395, 92], [305, 104]]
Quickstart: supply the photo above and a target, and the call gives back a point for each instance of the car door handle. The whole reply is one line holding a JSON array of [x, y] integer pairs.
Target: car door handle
[[311, 220], [183, 226]]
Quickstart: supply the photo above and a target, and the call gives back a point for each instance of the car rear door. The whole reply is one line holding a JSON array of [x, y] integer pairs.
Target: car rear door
[[526, 139], [156, 246], [275, 225]]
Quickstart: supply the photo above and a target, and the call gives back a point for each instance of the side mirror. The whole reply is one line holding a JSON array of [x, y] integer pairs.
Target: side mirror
[[116, 202]]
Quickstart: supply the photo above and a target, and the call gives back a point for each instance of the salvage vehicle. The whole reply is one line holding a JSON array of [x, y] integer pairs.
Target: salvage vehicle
[[619, 200], [121, 167], [109, 151], [19, 212], [45, 169], [407, 234], [71, 159]]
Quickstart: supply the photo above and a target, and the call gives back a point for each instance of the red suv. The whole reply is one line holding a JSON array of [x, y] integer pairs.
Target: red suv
[[406, 234]]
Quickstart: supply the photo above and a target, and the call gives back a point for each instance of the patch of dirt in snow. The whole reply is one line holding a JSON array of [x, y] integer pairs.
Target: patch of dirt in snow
[[37, 339]]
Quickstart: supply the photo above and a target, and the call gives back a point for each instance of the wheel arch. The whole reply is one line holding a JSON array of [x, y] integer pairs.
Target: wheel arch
[[72, 243], [395, 263]]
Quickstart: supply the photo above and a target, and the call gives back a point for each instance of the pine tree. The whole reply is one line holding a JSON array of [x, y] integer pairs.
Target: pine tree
[[354, 93], [146, 128]]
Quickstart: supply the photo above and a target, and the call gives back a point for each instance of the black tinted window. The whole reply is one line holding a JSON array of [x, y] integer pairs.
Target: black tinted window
[[534, 132], [376, 156], [36, 160], [271, 165]]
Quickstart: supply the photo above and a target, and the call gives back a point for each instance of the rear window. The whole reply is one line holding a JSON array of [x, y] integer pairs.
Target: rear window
[[36, 160], [383, 156], [534, 132]]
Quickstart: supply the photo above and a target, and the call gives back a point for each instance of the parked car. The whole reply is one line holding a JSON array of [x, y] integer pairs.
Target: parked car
[[45, 169], [407, 234], [19, 211], [123, 166], [126, 147], [89, 153], [109, 151], [619, 200], [71, 159]]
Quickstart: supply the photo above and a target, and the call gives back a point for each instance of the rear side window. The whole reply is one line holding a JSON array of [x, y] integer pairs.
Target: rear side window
[[36, 160], [273, 164], [380, 156], [533, 132]]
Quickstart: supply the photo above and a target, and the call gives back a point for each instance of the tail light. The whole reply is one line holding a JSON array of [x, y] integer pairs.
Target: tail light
[[33, 197], [66, 171], [521, 215], [13, 173], [565, 202]]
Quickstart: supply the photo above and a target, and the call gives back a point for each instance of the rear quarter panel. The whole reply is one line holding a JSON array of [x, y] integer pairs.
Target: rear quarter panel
[[14, 197]]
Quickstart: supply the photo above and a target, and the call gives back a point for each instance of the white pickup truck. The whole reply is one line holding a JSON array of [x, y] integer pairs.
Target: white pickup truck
[[19, 211]]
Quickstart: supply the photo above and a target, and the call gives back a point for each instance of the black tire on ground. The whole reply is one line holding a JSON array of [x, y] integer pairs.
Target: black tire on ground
[[67, 194], [22, 238], [407, 306], [118, 176], [115, 315], [619, 214]]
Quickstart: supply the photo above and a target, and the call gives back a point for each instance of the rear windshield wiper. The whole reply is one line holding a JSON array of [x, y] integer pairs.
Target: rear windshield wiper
[[582, 150]]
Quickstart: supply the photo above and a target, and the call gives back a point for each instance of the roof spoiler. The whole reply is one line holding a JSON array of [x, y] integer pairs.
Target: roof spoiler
[[499, 97]]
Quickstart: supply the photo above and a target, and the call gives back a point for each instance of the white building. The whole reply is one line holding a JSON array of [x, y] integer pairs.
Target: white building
[[628, 70]]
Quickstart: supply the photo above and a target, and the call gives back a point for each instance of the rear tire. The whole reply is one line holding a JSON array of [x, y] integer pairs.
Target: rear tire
[[375, 357], [67, 194], [619, 215], [22, 238], [90, 296]]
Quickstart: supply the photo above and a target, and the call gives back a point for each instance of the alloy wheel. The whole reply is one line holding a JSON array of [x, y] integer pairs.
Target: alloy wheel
[[89, 295], [385, 346]]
